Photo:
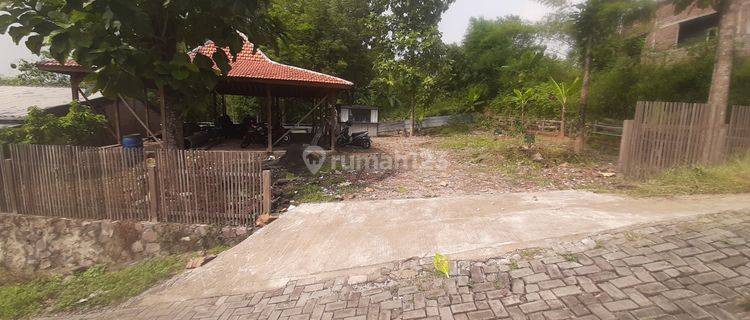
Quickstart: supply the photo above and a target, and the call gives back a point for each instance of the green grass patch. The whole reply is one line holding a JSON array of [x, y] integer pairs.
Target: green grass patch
[[530, 253], [487, 148], [93, 288], [731, 177], [312, 193], [570, 257], [449, 130], [513, 265], [324, 186], [218, 249], [511, 157]]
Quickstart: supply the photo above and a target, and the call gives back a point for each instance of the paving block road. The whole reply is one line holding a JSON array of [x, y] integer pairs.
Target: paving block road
[[697, 268]]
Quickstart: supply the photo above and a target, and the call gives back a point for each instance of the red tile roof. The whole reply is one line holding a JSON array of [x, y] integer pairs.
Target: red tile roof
[[249, 65], [68, 67], [256, 65]]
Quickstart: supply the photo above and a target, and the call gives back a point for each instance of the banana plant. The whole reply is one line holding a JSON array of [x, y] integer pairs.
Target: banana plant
[[563, 93], [521, 99]]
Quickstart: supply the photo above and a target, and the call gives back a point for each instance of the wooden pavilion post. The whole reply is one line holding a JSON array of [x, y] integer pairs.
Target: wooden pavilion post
[[331, 102], [163, 115], [269, 120], [145, 109], [117, 121], [75, 85], [214, 116], [223, 105]]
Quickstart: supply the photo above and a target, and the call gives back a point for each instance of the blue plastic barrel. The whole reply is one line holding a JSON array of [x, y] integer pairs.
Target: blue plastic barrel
[[132, 141]]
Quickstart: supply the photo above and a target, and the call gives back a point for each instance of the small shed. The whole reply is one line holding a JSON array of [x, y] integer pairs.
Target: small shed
[[363, 118]]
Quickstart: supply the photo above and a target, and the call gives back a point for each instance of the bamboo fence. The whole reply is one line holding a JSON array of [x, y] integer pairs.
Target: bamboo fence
[[224, 187]]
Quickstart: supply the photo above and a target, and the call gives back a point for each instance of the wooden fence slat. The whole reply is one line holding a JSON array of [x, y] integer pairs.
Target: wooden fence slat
[[668, 134], [185, 186]]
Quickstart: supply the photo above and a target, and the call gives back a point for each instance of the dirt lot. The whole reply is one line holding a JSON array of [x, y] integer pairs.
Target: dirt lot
[[455, 164]]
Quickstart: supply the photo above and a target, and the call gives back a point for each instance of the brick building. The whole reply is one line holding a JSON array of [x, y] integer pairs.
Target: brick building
[[673, 32]]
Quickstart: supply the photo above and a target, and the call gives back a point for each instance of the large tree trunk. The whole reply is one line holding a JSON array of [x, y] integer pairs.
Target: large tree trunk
[[718, 97], [172, 134], [585, 84]]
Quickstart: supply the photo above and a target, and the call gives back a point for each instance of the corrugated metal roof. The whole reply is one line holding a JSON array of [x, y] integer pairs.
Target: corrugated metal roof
[[15, 100]]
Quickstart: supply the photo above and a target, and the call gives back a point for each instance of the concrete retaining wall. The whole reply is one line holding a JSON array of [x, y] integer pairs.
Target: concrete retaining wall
[[30, 244]]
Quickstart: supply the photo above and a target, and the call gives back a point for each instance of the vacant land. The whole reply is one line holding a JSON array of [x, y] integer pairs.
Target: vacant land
[[479, 162], [455, 163]]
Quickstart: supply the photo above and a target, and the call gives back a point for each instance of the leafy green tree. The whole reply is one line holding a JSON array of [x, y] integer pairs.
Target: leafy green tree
[[591, 25], [502, 53], [619, 86], [239, 107], [30, 75], [412, 56], [337, 37], [404, 86], [505, 54], [351, 38], [134, 44]]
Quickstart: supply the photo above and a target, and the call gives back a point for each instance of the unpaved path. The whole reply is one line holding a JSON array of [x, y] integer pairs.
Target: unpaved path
[[321, 240]]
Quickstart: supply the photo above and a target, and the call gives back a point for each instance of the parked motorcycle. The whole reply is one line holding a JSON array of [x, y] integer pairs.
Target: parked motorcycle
[[258, 133], [361, 139]]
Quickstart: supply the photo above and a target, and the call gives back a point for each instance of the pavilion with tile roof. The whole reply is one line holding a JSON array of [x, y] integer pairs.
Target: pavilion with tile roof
[[252, 73]]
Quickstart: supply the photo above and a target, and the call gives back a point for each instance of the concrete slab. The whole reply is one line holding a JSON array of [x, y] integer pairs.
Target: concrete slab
[[322, 240]]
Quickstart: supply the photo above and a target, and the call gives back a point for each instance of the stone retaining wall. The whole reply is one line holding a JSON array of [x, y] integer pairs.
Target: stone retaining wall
[[30, 244]]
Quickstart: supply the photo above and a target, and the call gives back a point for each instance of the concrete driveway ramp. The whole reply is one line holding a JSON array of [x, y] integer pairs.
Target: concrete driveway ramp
[[321, 240]]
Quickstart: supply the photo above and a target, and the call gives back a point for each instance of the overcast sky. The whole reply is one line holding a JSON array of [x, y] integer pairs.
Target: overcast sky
[[456, 19], [454, 24]]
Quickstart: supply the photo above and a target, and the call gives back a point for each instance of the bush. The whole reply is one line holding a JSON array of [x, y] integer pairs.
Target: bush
[[541, 104], [77, 127], [615, 91]]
